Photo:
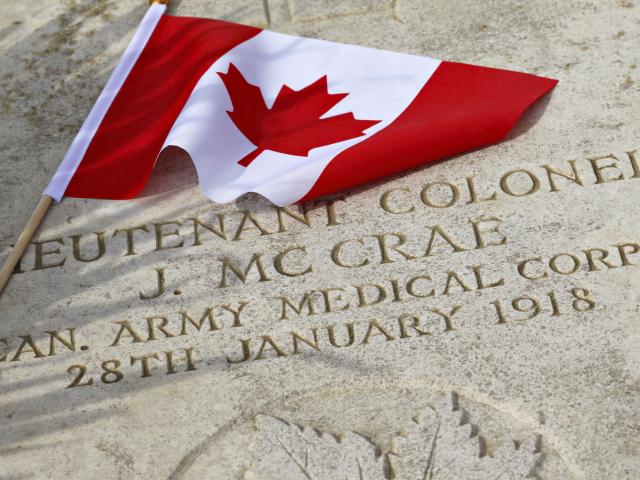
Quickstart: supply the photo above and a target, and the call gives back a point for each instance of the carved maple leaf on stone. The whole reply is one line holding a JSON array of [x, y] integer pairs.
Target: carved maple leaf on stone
[[294, 452], [436, 445], [292, 125], [447, 446]]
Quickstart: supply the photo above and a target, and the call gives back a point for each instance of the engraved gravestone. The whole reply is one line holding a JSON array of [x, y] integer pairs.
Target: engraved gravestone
[[473, 319]]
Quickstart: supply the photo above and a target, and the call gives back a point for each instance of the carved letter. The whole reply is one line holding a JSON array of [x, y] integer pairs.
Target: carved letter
[[384, 248], [362, 298], [598, 169], [634, 163], [332, 217], [27, 341], [269, 343], [412, 292], [448, 325], [506, 188], [160, 235], [328, 305], [592, 261], [523, 264], [206, 315], [307, 300], [297, 338], [454, 276], [441, 234], [126, 328], [76, 247], [70, 344], [151, 327], [575, 178], [332, 335], [144, 361], [279, 259], [246, 352], [635, 248], [197, 223], [159, 289], [40, 254], [455, 194], [379, 330], [130, 239], [473, 196], [337, 249], [480, 282], [235, 312], [304, 218], [384, 201], [553, 263], [226, 264], [415, 325], [247, 215], [481, 242]]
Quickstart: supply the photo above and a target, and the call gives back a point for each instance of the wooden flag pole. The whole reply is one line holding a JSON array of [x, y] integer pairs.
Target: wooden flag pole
[[24, 239]]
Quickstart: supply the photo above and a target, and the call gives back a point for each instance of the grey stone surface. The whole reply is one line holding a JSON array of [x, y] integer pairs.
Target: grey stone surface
[[551, 395]]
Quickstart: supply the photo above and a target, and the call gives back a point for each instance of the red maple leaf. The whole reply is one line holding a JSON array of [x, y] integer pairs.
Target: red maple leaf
[[293, 124]]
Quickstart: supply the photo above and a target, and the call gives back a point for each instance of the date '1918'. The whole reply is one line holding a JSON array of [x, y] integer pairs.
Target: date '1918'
[[527, 307]]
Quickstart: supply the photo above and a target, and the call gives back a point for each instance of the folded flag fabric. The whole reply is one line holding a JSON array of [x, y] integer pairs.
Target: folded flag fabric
[[290, 118]]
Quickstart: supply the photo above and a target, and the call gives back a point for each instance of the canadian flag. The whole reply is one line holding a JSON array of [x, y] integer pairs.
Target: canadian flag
[[287, 117]]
